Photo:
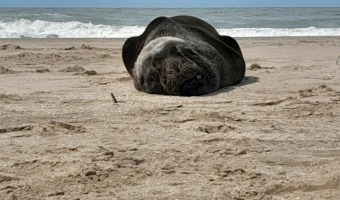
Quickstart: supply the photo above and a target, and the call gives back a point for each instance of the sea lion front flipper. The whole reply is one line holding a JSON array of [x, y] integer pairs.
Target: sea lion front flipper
[[131, 49], [134, 45]]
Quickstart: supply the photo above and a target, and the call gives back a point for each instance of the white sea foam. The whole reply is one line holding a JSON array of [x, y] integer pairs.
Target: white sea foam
[[75, 29], [280, 32], [70, 29]]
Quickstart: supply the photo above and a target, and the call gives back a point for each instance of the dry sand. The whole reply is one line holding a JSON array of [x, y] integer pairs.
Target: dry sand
[[274, 136]]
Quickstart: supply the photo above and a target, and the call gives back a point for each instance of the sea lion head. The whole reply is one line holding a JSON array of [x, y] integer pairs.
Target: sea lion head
[[169, 65]]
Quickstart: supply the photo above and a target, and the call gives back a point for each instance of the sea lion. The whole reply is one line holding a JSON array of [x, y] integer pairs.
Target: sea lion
[[182, 55]]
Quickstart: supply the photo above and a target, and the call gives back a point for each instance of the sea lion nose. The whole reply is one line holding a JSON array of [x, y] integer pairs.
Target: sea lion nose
[[174, 66]]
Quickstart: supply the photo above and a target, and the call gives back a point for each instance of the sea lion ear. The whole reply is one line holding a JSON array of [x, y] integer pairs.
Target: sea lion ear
[[134, 45], [231, 42]]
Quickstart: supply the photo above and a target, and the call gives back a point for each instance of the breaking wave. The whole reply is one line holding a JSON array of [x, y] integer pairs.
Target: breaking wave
[[74, 29]]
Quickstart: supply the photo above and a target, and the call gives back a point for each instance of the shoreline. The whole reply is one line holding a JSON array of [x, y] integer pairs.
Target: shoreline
[[121, 40], [239, 39]]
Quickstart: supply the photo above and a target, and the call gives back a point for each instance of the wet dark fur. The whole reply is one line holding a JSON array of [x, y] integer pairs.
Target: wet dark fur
[[203, 64]]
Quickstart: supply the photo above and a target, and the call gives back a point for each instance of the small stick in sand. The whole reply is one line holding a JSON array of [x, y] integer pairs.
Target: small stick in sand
[[114, 98]]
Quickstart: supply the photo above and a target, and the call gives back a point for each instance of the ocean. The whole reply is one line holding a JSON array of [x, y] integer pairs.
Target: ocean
[[126, 22]]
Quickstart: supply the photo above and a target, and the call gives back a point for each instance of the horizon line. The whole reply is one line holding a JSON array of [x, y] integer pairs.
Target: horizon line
[[172, 7]]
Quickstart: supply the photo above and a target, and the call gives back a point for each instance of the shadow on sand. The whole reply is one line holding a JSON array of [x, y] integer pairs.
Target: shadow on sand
[[247, 80]]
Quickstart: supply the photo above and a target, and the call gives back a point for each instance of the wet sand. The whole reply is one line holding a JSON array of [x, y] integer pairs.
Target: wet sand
[[274, 136]]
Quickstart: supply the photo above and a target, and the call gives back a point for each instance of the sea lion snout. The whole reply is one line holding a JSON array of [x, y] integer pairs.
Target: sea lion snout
[[173, 71], [180, 76]]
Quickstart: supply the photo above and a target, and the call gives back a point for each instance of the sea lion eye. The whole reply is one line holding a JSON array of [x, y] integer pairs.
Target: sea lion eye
[[174, 51], [190, 52], [158, 57]]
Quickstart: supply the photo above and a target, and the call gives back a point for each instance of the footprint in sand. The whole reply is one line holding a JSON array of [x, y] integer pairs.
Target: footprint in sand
[[4, 70], [10, 97], [42, 70], [76, 68], [9, 47], [79, 70], [216, 128], [315, 91]]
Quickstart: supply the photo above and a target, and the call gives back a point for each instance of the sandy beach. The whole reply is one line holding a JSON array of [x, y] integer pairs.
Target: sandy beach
[[274, 136]]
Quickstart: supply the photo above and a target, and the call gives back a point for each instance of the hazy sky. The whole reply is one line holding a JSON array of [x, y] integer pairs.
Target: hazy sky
[[170, 3]]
